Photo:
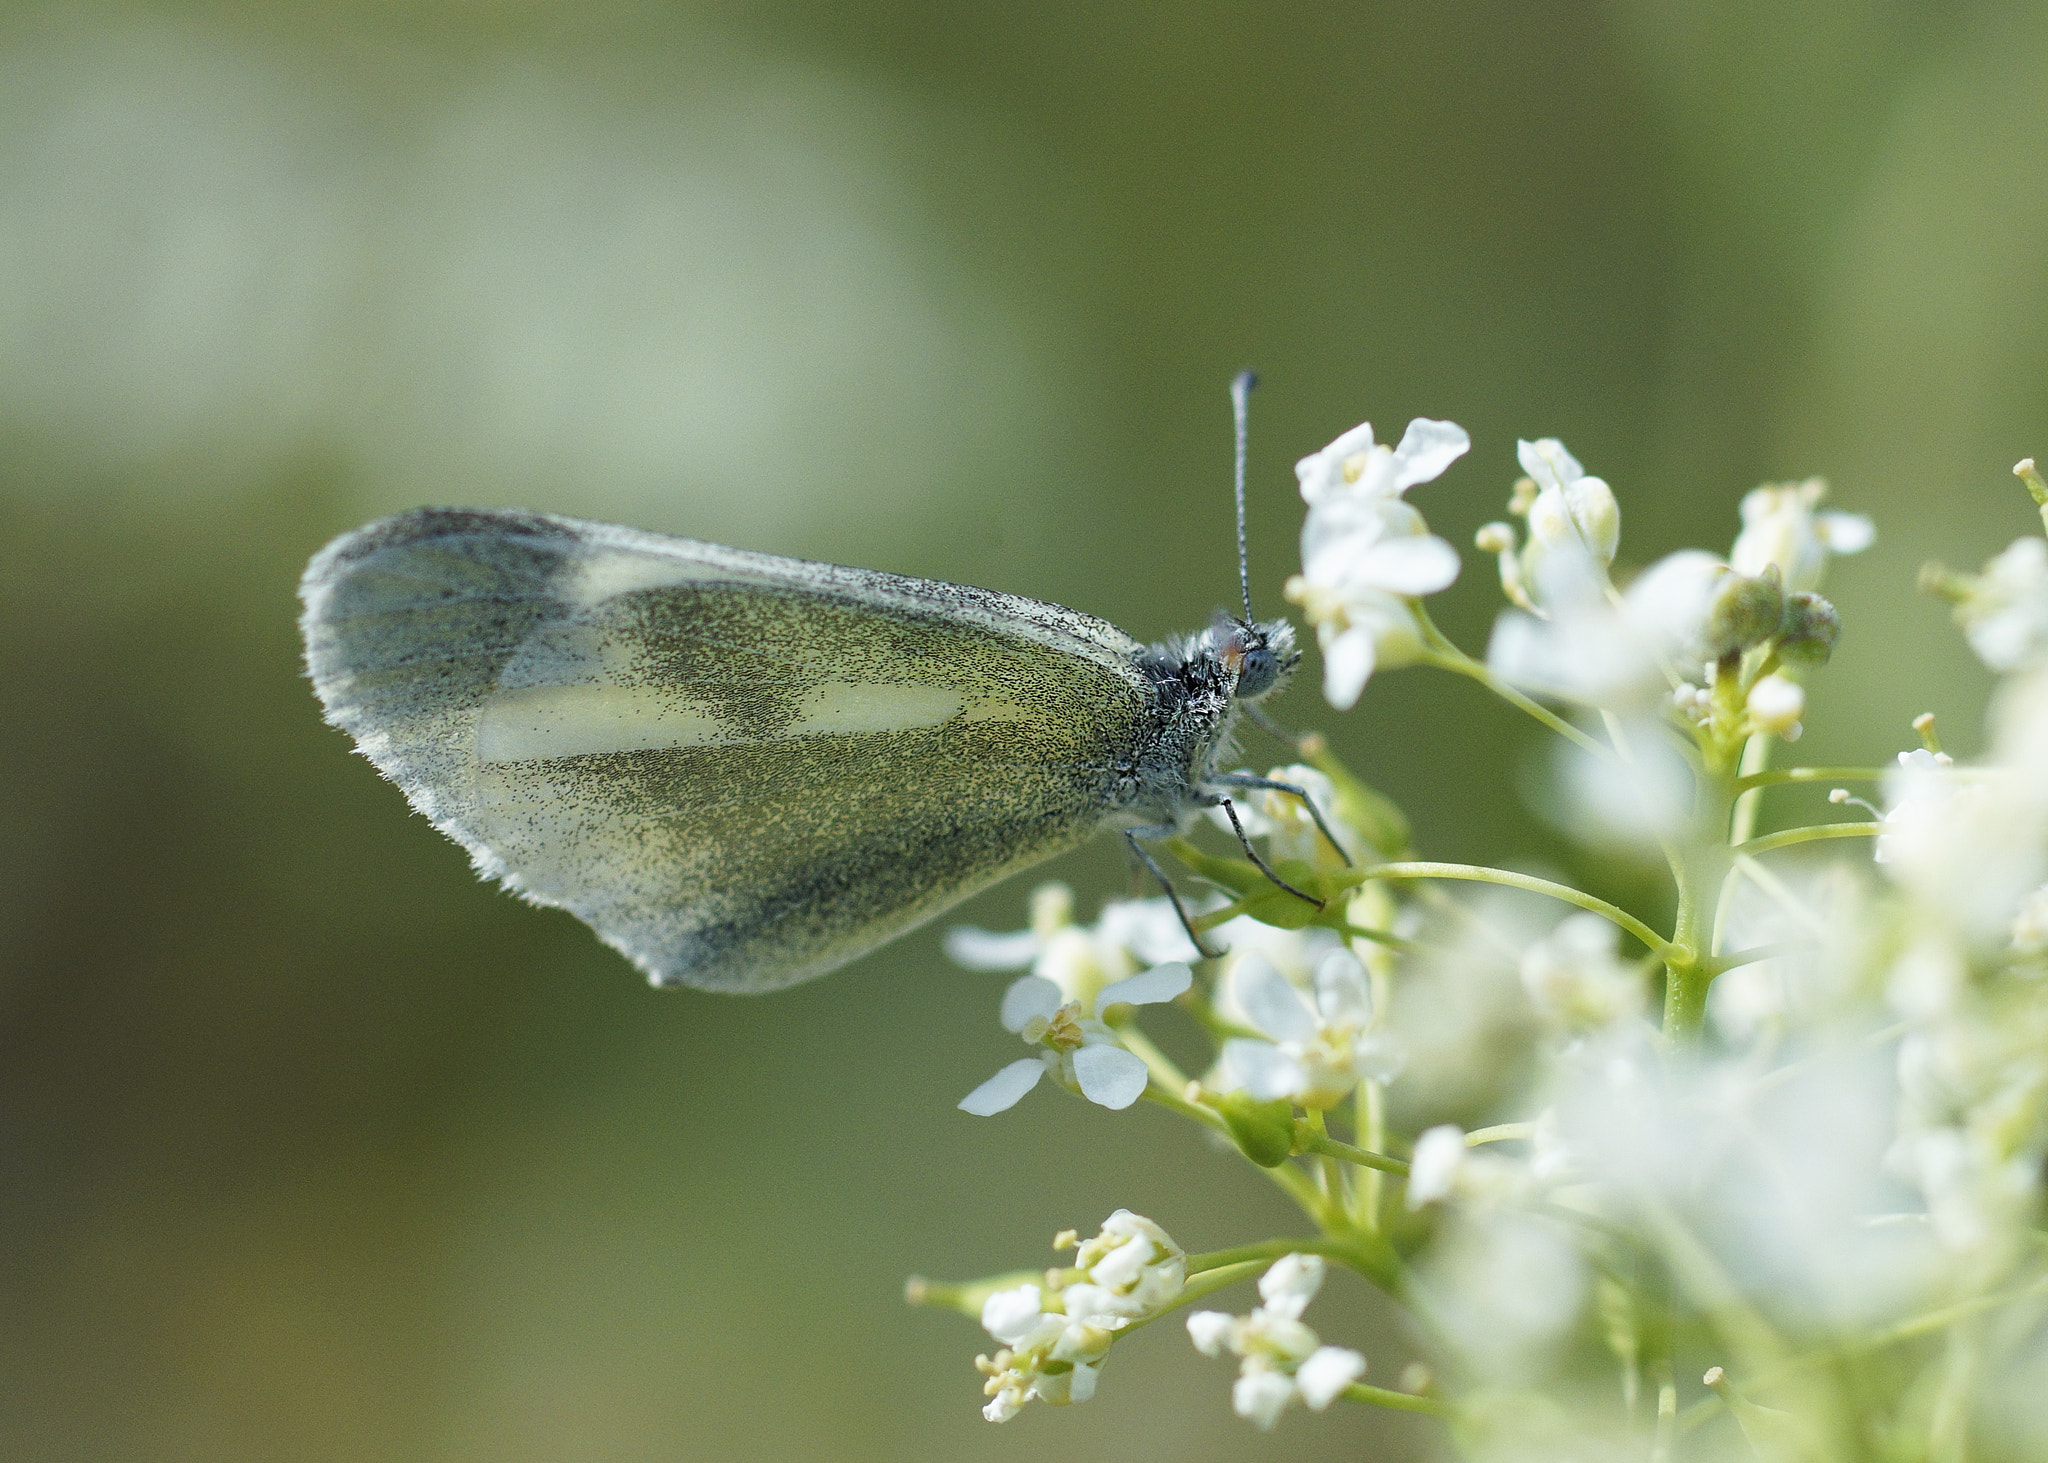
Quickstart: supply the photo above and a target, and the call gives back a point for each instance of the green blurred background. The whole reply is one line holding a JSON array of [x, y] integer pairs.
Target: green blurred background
[[314, 1148]]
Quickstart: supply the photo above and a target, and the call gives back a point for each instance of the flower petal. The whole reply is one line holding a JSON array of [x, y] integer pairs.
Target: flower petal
[[1011, 1315], [987, 950], [1415, 565], [1427, 448], [1546, 461], [1004, 1090], [1262, 1069], [1326, 1373], [1110, 1076], [1433, 1167], [1342, 993], [1210, 1331], [1347, 666], [1260, 1397], [1845, 533], [1270, 1000], [1290, 1283], [1148, 988], [1321, 473], [1032, 995]]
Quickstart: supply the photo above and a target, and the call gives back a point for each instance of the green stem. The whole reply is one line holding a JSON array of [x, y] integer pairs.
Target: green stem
[[1289, 1179], [1267, 1249], [1749, 782], [1405, 1401], [1500, 1133], [1309, 1141], [1756, 757], [1701, 873], [1445, 655], [1810, 834], [1480, 874], [1371, 1125]]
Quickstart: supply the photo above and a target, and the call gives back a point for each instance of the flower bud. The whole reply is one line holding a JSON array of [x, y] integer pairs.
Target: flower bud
[[1745, 611], [1811, 629], [1495, 538], [1775, 705], [1582, 511], [1264, 1130]]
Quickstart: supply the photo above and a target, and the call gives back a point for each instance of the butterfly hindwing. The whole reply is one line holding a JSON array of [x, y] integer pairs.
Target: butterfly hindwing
[[742, 771]]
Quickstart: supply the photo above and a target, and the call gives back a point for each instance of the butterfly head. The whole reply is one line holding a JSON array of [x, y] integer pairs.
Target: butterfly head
[[1261, 654]]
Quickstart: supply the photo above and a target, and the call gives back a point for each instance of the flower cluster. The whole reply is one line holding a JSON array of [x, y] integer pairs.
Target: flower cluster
[[1366, 554], [1056, 1334], [1785, 1124], [1283, 1360]]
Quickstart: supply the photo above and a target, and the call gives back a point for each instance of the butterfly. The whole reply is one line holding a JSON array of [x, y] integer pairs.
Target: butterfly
[[743, 771]]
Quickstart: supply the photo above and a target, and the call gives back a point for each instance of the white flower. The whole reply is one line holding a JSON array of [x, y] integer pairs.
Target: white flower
[[1969, 844], [1365, 554], [2004, 610], [1283, 1359], [1355, 466], [1433, 1169], [1570, 508], [1132, 1268], [1046, 1354], [1055, 1340], [1576, 977], [1592, 651], [1775, 704], [1131, 935], [1315, 1054], [1081, 1052], [1779, 526], [1284, 821]]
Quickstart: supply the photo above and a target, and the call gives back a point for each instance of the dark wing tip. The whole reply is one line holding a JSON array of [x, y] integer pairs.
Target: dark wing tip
[[418, 525]]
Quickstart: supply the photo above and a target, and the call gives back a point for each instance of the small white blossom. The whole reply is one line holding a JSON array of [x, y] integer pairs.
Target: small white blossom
[[1284, 822], [1081, 1052], [1775, 704], [1283, 1360], [1055, 1339], [1365, 553], [1575, 975], [1570, 508], [1781, 528], [1315, 1053], [1433, 1169], [1590, 650], [1969, 843], [1131, 935], [2004, 609]]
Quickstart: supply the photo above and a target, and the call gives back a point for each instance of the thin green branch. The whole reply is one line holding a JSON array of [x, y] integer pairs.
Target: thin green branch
[[1810, 834], [1808, 774], [1500, 1133], [1722, 964], [1445, 655], [1404, 1401], [1308, 1141], [1480, 874], [1291, 1180]]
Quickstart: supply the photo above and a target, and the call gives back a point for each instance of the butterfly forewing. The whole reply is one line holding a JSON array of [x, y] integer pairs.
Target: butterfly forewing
[[742, 771]]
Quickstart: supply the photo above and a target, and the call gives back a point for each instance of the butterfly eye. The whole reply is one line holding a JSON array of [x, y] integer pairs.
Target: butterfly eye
[[1258, 672]]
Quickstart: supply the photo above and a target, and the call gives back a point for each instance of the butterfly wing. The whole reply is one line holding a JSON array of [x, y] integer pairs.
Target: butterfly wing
[[742, 771]]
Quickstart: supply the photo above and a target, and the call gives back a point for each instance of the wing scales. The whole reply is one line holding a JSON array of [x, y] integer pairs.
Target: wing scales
[[807, 760]]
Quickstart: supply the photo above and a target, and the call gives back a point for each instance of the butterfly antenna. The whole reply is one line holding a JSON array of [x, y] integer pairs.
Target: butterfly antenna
[[1240, 405]]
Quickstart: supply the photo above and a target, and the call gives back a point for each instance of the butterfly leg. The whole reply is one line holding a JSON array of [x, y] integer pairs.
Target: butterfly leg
[[1240, 779], [1269, 726], [1230, 812], [1145, 857]]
